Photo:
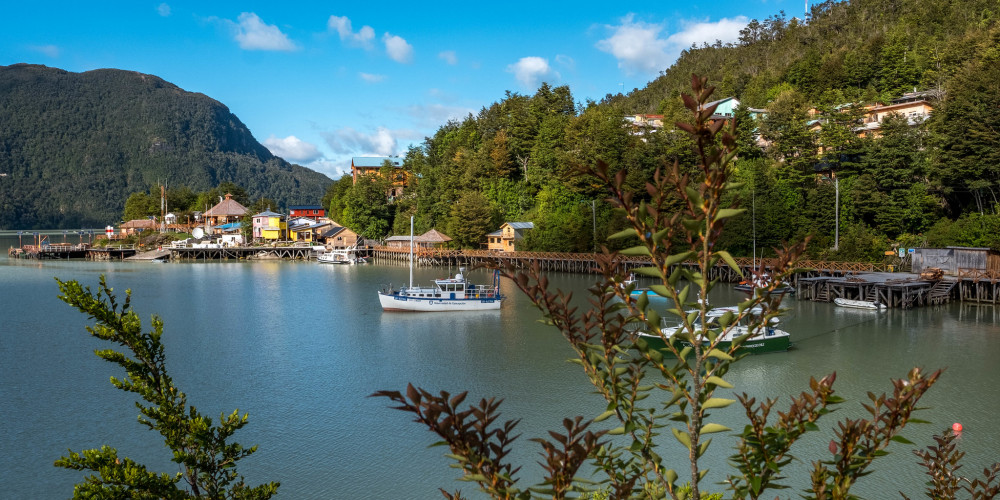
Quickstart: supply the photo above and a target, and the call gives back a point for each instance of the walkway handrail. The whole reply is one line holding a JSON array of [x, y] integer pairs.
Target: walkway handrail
[[743, 262]]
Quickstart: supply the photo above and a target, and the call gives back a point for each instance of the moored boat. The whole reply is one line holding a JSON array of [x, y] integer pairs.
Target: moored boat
[[347, 256], [763, 281], [859, 304], [767, 338], [449, 294]]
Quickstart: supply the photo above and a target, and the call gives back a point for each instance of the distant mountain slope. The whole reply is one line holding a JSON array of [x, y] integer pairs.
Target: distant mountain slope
[[73, 146]]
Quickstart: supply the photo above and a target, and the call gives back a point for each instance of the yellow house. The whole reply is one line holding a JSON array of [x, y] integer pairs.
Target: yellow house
[[306, 230], [505, 239], [269, 226]]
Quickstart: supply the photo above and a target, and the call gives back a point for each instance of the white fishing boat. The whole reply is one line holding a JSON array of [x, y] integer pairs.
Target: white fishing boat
[[448, 294], [767, 338], [859, 304], [348, 256]]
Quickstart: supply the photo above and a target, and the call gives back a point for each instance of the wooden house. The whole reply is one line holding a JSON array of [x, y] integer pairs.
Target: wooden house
[[225, 212], [914, 106], [507, 237], [137, 226], [956, 261], [372, 165], [432, 239], [339, 237]]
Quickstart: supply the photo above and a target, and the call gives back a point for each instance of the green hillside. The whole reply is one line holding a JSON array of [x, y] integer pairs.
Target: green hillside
[[915, 183], [73, 146]]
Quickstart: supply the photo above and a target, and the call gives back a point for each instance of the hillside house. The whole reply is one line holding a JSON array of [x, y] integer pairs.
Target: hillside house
[[372, 165], [505, 239], [640, 124], [912, 105]]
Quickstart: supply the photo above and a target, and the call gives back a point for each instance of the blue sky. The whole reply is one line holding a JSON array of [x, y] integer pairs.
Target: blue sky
[[321, 82]]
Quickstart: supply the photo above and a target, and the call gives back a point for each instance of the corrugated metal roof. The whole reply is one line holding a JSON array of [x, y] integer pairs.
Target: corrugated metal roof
[[305, 207], [375, 161], [521, 225], [268, 213]]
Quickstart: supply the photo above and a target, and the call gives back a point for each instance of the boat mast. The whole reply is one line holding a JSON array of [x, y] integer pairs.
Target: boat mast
[[753, 222], [411, 251]]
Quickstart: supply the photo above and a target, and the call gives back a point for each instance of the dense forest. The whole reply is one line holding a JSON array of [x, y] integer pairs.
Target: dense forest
[[931, 183], [74, 146]]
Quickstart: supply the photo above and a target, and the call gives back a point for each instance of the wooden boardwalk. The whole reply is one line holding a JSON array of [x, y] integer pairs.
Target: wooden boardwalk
[[821, 281]]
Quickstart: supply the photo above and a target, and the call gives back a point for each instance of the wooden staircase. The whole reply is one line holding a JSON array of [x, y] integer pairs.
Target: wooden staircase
[[823, 294], [940, 293]]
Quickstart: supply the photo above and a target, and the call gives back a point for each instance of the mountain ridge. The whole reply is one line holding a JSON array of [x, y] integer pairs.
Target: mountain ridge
[[73, 147]]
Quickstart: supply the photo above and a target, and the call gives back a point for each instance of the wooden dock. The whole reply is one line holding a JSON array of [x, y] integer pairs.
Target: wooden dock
[[823, 281], [49, 251], [894, 290]]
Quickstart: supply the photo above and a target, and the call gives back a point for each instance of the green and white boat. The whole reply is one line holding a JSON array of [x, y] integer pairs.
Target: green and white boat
[[767, 338]]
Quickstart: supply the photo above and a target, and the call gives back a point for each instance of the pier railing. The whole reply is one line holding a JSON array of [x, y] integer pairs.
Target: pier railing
[[585, 262]]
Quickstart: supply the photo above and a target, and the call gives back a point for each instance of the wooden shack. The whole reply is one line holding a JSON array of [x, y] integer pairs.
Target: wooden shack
[[956, 261]]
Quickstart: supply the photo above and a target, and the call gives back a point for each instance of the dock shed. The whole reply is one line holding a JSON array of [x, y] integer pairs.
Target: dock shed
[[956, 261]]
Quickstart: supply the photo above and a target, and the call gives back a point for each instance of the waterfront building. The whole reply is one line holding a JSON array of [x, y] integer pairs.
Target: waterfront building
[[311, 211], [507, 237], [269, 226], [225, 212]]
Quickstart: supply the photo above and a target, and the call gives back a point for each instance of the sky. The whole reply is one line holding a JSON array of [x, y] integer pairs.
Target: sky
[[318, 83]]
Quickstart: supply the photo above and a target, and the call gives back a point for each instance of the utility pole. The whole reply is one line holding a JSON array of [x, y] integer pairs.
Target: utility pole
[[836, 211], [593, 215]]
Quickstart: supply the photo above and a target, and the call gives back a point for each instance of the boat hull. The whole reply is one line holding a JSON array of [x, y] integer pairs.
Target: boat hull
[[396, 302], [756, 345], [745, 288], [858, 304]]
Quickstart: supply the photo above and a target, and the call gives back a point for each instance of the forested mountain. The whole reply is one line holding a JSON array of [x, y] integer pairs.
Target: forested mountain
[[932, 182], [74, 146]]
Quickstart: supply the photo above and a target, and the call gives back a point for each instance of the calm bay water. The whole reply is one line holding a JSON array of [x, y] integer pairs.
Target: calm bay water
[[300, 345]]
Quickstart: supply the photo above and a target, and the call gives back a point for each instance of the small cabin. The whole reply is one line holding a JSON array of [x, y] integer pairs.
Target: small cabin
[[956, 261]]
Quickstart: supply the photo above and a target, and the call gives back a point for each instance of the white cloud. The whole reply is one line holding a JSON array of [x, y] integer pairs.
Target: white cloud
[[433, 116], [726, 30], [292, 149], [47, 50], [370, 78], [342, 25], [397, 48], [163, 10], [529, 70], [640, 48], [449, 57], [565, 61], [253, 34], [637, 46], [348, 141]]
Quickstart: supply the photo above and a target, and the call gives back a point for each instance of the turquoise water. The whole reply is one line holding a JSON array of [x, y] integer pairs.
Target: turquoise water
[[300, 346]]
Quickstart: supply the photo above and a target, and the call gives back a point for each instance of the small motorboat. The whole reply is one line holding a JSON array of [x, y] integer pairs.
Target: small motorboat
[[860, 304]]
